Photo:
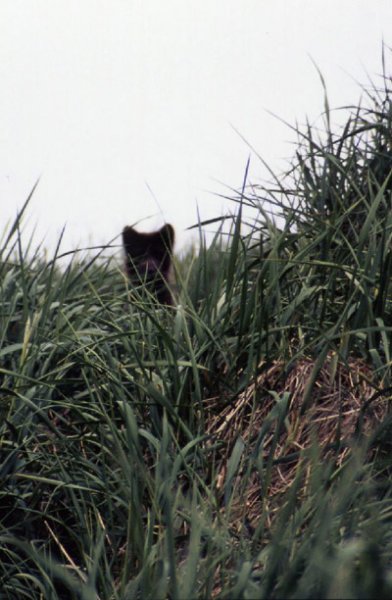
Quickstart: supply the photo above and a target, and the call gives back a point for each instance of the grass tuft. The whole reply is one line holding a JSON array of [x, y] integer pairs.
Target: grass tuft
[[235, 445]]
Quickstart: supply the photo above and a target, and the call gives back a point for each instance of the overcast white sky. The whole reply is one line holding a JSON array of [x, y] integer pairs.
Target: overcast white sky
[[127, 108]]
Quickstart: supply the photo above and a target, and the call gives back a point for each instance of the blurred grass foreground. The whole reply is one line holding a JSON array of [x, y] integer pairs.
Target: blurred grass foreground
[[236, 445]]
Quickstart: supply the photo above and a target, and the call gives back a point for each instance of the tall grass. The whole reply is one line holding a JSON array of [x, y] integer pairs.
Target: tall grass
[[143, 449]]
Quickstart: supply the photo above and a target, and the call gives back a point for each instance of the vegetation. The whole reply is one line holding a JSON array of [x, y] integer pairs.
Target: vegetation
[[236, 445]]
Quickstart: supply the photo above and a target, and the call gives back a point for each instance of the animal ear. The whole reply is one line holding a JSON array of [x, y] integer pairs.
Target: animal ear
[[129, 236], [167, 235]]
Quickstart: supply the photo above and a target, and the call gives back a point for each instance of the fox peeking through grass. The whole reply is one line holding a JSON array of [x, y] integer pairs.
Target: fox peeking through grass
[[148, 260]]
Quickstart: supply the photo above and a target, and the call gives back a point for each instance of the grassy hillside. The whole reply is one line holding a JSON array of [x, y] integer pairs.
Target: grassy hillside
[[236, 445]]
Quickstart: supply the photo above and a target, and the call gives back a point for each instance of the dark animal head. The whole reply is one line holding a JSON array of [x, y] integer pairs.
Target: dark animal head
[[148, 259]]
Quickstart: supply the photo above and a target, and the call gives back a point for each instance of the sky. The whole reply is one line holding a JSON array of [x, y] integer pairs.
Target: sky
[[144, 111]]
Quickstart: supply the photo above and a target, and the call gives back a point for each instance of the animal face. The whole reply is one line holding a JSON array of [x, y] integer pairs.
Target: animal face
[[148, 259]]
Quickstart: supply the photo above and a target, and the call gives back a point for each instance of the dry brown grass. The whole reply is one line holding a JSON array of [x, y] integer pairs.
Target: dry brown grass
[[344, 407]]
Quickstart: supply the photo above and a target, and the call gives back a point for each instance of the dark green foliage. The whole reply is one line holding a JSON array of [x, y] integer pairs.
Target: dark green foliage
[[109, 477]]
